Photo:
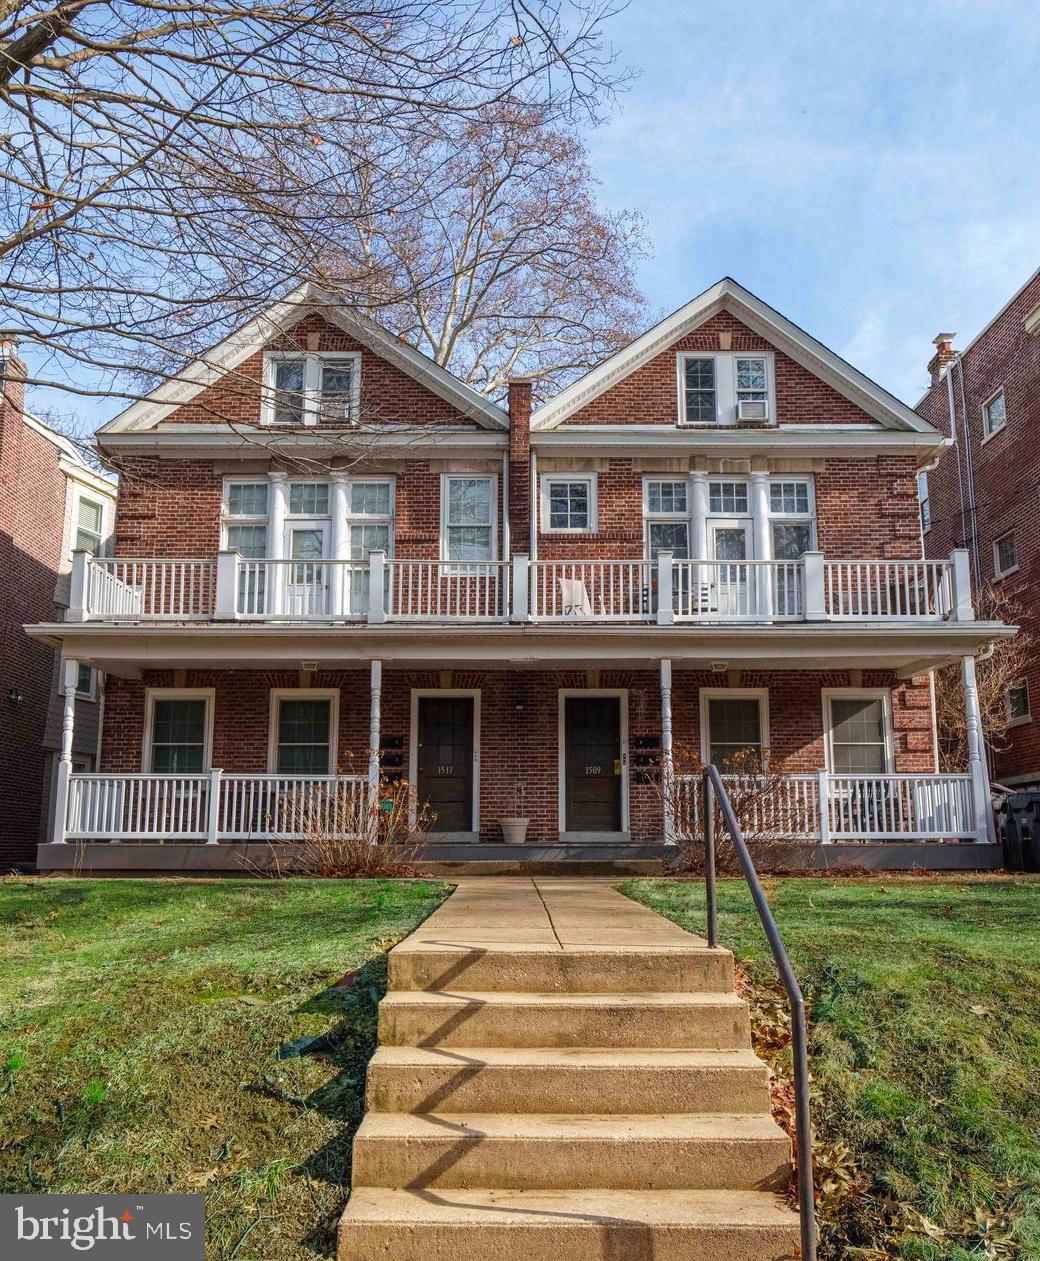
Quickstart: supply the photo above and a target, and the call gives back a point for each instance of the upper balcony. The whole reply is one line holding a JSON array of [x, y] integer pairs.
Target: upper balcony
[[382, 589]]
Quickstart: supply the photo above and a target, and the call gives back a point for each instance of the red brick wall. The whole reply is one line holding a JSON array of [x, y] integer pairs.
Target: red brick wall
[[388, 395], [32, 513], [1006, 471], [519, 727], [650, 395]]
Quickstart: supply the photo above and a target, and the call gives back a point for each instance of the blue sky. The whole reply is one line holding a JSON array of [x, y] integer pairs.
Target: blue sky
[[871, 170]]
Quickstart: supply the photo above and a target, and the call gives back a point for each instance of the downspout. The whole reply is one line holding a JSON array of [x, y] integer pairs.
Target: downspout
[[506, 537], [534, 498], [970, 461]]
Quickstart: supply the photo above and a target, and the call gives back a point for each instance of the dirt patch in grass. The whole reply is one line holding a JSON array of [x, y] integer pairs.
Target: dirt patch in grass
[[141, 1032], [924, 1002]]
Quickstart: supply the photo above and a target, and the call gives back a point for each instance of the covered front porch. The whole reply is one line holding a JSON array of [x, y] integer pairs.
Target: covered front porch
[[204, 766]]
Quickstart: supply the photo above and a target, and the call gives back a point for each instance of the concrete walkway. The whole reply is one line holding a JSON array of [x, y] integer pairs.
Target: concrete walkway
[[564, 1075]]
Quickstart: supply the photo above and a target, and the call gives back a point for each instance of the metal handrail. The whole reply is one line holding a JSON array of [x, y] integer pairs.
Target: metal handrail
[[713, 786]]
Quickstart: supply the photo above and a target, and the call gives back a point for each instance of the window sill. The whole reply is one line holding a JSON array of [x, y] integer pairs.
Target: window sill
[[1021, 722], [994, 434], [1007, 573]]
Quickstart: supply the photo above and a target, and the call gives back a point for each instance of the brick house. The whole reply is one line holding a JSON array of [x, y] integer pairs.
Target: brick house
[[51, 502], [983, 494], [335, 565]]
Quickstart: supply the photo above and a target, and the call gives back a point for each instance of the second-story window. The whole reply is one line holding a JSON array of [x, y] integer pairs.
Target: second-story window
[[569, 504], [1005, 555], [751, 380], [924, 501], [666, 513], [371, 525], [467, 515], [309, 388], [90, 517], [245, 529], [791, 518], [730, 498], [725, 387], [994, 413]]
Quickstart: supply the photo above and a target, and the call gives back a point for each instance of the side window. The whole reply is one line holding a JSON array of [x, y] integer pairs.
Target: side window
[[90, 518], [468, 518]]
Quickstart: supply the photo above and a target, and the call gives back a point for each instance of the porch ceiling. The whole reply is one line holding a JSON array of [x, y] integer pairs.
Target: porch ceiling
[[126, 651]]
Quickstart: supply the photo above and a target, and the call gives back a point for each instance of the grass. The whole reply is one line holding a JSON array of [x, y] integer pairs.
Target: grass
[[140, 1027], [924, 1000]]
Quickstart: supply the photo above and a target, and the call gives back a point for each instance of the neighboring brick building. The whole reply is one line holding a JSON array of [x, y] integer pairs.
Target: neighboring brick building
[[984, 493], [47, 492], [334, 562]]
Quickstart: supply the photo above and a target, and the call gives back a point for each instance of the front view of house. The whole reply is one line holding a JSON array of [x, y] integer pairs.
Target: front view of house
[[335, 566]]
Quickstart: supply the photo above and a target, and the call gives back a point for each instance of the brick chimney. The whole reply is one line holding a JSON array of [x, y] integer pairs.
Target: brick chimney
[[12, 400], [943, 357], [519, 463]]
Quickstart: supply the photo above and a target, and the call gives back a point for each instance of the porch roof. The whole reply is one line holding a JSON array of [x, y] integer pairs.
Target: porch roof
[[907, 649]]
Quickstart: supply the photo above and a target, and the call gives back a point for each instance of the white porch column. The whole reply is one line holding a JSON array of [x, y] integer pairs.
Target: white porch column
[[521, 594], [69, 673], [960, 571], [277, 508], [340, 544], [667, 761], [698, 515], [374, 723], [763, 543], [985, 829]]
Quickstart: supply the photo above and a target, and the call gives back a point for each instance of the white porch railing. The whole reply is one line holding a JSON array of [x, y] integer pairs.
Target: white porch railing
[[665, 590], [856, 807], [887, 588], [591, 590], [156, 589], [212, 807], [436, 590], [738, 591]]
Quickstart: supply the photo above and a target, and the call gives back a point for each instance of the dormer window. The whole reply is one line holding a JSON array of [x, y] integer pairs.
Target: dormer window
[[311, 388], [725, 388]]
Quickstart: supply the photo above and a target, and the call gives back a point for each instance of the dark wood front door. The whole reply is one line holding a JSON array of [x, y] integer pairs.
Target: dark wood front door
[[445, 769], [592, 763]]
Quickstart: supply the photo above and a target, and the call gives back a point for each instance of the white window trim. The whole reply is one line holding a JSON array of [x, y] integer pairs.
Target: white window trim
[[561, 744], [278, 694], [464, 476], [724, 514], [207, 694], [799, 518], [364, 518], [413, 746], [858, 693], [761, 694], [1027, 717], [725, 384], [998, 573], [987, 432], [312, 361], [228, 518], [591, 480], [80, 493]]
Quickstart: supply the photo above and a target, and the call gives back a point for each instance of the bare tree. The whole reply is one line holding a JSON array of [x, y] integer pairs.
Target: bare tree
[[168, 168], [513, 268], [995, 675]]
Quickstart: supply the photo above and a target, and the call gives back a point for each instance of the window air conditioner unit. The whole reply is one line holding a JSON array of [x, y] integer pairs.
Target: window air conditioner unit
[[750, 410]]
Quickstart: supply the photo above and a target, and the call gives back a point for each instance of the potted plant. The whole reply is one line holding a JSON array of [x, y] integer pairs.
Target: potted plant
[[514, 830]]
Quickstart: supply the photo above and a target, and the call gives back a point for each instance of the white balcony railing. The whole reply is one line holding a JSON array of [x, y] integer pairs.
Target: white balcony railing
[[591, 590], [380, 589], [212, 807], [454, 591], [738, 591], [156, 589], [855, 807]]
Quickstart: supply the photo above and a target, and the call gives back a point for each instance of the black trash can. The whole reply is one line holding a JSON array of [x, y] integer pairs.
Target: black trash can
[[1022, 831]]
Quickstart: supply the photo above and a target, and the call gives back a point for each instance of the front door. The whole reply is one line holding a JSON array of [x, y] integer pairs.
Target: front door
[[445, 761], [592, 763], [730, 543]]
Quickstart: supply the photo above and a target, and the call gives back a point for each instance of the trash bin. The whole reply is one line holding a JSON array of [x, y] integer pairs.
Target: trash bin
[[1022, 831]]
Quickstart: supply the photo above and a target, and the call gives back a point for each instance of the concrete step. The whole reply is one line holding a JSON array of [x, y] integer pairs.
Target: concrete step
[[421, 965], [504, 1019], [575, 1225], [656, 1153], [611, 851], [565, 1080], [521, 866]]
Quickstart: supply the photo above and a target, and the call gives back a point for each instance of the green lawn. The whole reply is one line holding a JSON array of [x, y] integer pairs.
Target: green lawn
[[924, 1002], [140, 1025]]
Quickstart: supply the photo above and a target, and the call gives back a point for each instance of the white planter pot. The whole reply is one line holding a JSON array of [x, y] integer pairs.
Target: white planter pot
[[514, 831]]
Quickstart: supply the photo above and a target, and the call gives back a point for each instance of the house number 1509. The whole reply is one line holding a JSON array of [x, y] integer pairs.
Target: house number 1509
[[593, 770]]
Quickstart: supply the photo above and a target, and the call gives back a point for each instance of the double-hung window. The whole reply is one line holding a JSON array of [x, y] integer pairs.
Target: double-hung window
[[792, 528], [569, 504], [245, 532], [700, 393], [752, 388], [666, 523], [467, 518], [857, 736], [370, 520], [1005, 555], [733, 729], [1018, 702], [994, 413], [179, 727], [310, 387], [90, 518], [303, 731]]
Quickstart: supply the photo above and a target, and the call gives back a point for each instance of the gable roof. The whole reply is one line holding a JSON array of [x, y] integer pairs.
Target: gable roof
[[728, 295], [278, 318]]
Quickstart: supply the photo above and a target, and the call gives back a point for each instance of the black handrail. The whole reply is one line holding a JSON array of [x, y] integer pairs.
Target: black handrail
[[714, 787]]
